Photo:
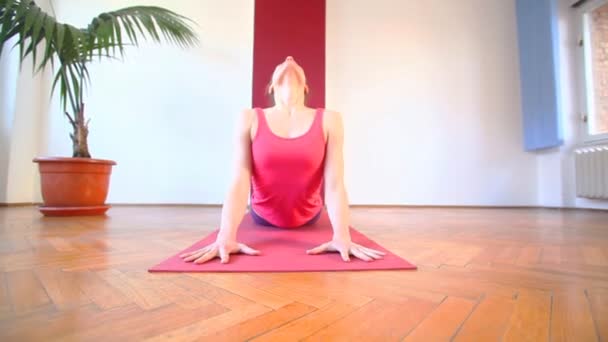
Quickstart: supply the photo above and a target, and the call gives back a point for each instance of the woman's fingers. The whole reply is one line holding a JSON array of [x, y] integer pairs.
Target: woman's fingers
[[344, 254], [222, 251], [248, 250], [195, 255], [207, 256], [372, 253], [329, 247], [201, 250], [363, 253], [366, 249], [224, 255], [209, 252], [187, 254], [360, 254], [319, 249]]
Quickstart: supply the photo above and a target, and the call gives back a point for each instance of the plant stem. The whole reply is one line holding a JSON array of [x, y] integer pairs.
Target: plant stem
[[80, 145]]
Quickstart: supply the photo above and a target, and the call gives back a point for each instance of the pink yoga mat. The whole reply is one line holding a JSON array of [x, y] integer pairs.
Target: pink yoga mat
[[284, 250]]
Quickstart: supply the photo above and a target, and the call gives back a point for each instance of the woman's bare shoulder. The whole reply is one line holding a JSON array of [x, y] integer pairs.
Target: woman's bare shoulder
[[333, 117], [331, 112], [248, 111], [245, 118]]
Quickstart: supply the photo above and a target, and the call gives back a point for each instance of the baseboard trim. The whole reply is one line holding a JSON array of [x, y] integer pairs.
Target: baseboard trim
[[18, 204], [353, 206], [201, 205], [431, 206]]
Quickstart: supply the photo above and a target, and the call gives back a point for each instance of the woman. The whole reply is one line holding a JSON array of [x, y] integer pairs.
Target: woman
[[285, 155]]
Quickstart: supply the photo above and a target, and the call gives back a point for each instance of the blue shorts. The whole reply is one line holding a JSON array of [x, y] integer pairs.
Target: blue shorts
[[261, 221]]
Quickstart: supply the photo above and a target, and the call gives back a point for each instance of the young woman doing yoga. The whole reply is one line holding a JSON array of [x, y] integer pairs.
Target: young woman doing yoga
[[287, 156]]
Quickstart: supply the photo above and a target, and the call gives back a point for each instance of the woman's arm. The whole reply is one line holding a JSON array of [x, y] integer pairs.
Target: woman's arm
[[235, 203], [336, 197]]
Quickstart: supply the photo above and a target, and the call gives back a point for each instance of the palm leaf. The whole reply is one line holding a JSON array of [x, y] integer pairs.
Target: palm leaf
[[128, 26], [50, 26], [59, 37], [30, 18], [118, 33], [75, 48], [148, 20], [9, 26], [37, 33]]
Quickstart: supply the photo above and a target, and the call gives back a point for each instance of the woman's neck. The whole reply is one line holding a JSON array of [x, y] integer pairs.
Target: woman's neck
[[290, 108]]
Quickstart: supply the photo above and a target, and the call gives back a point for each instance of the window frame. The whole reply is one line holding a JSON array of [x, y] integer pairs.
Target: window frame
[[586, 80]]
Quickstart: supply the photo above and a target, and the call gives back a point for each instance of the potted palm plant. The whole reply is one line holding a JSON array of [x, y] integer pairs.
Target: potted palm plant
[[78, 185]]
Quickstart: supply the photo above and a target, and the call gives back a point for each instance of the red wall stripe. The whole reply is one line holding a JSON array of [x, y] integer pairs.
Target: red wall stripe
[[289, 28]]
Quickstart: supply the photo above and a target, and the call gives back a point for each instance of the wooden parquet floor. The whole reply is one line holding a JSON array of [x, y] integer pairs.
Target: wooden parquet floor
[[484, 275]]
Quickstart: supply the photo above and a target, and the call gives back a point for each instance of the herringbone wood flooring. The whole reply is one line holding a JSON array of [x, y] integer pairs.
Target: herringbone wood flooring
[[484, 275]]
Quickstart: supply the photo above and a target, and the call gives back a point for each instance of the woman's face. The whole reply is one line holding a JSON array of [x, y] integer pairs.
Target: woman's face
[[288, 82]]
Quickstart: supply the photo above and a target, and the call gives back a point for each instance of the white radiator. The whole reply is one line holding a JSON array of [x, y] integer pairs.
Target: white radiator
[[591, 165]]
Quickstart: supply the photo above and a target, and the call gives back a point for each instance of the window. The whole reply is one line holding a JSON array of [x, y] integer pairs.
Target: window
[[595, 46]]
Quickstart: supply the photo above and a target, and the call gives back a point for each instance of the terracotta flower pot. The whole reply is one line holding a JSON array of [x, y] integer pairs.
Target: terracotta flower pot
[[74, 186]]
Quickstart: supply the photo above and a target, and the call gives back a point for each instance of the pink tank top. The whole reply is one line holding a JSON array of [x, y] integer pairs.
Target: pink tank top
[[287, 173]]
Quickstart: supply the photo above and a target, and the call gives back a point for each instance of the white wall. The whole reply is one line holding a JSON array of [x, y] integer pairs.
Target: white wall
[[556, 173], [8, 89], [166, 115], [20, 99], [429, 91], [430, 95]]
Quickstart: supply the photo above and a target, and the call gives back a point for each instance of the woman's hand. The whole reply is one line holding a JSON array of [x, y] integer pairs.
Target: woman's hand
[[221, 249], [346, 248]]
